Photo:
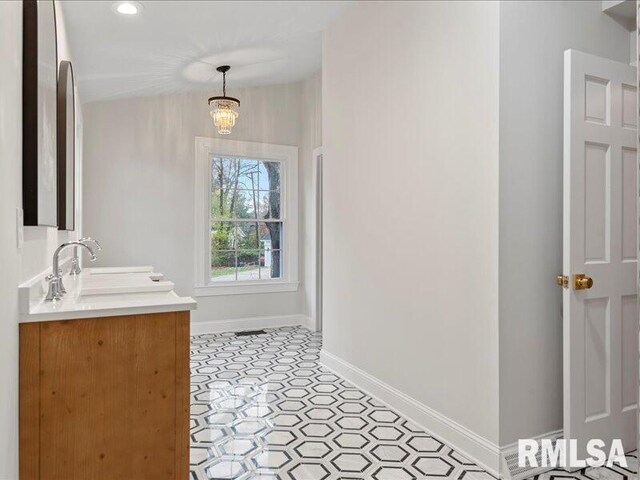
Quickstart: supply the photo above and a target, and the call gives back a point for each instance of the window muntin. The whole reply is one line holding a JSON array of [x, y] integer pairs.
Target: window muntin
[[246, 219]]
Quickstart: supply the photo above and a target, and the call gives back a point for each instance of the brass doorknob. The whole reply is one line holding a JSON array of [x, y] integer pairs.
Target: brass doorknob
[[582, 281]]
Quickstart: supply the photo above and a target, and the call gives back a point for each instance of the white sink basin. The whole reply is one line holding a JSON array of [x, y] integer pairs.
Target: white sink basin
[[120, 282]]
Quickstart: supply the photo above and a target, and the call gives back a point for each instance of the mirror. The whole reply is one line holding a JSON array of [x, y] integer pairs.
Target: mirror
[[66, 147], [39, 88]]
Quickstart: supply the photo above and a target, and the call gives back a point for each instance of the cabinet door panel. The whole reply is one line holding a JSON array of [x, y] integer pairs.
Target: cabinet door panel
[[108, 398]]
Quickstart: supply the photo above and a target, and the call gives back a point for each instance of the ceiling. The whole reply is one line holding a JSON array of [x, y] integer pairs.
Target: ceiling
[[174, 46]]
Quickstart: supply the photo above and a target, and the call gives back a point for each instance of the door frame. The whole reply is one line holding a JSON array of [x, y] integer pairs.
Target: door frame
[[636, 63], [316, 237]]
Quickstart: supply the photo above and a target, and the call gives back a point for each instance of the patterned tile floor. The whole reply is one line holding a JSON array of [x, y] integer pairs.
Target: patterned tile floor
[[262, 407], [615, 472]]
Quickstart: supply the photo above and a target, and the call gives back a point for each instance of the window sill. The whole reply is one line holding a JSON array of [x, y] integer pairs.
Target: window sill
[[244, 288]]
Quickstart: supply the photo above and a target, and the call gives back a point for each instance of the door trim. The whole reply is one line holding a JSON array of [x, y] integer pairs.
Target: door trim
[[316, 216]]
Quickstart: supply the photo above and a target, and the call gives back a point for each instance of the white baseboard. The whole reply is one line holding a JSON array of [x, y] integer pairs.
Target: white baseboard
[[251, 323], [473, 446], [509, 454]]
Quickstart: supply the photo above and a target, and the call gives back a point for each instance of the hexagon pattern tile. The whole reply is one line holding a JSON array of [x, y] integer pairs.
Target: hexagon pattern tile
[[615, 472], [262, 407]]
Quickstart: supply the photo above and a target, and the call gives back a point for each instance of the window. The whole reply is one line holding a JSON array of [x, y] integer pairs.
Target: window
[[246, 217], [246, 220]]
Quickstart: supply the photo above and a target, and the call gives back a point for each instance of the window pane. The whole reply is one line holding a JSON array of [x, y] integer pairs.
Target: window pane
[[249, 265], [271, 261], [270, 205], [259, 235], [223, 179], [248, 236], [271, 245], [224, 236], [249, 172], [270, 235], [258, 204], [248, 202], [243, 204], [222, 170], [270, 176], [258, 175], [223, 265]]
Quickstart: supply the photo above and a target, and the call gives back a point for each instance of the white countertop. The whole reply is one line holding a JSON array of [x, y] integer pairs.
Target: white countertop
[[102, 292]]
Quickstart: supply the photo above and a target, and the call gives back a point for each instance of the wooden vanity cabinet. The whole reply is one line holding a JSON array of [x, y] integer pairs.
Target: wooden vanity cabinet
[[105, 398]]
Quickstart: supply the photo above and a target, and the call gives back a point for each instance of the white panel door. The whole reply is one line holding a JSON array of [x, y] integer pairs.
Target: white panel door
[[600, 323]]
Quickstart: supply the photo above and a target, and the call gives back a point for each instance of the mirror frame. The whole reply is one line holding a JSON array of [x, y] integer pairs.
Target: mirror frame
[[66, 164], [35, 125]]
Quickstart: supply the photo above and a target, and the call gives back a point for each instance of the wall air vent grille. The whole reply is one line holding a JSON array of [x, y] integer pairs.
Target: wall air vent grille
[[247, 333], [510, 459]]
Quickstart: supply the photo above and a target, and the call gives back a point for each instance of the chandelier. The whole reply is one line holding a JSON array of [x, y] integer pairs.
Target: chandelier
[[224, 110]]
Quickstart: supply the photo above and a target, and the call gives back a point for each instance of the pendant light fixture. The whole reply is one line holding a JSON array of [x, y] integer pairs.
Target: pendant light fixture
[[223, 109]]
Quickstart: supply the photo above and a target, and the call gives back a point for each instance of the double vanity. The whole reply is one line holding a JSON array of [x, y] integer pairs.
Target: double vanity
[[104, 376]]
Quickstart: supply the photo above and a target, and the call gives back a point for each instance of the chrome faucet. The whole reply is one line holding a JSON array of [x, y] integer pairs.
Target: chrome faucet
[[75, 261], [56, 288]]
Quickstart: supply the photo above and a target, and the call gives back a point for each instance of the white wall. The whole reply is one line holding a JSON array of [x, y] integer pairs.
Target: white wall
[[10, 182], [533, 37], [410, 140], [139, 182], [17, 265]]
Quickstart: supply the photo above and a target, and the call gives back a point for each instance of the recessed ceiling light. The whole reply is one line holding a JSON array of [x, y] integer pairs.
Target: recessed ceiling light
[[127, 8]]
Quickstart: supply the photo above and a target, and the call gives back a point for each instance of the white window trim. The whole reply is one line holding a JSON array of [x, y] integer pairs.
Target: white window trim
[[205, 148]]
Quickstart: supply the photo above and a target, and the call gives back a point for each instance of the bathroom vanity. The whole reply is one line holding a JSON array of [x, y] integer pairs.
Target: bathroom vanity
[[104, 378]]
